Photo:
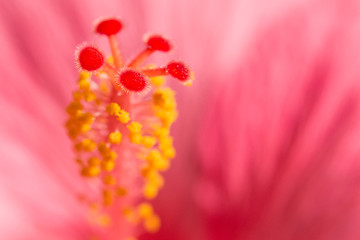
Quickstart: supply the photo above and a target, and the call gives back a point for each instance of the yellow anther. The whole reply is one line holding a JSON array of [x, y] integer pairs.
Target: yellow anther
[[153, 156], [102, 148], [91, 171], [145, 210], [84, 75], [113, 108], [123, 116], [109, 156], [77, 96], [168, 152], [94, 161], [130, 215], [85, 128], [161, 132], [84, 84], [135, 138], [87, 145], [109, 180], [78, 146], [107, 165], [164, 99], [157, 161], [162, 165], [167, 117], [152, 224], [148, 141], [166, 147], [73, 132], [134, 127], [157, 81], [85, 118], [155, 179], [115, 137], [159, 99], [150, 191], [107, 197], [89, 96], [74, 108], [120, 191]]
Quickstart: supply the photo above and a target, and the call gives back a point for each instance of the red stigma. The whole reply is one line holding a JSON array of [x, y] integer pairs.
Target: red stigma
[[109, 26], [133, 80], [90, 58], [157, 42], [178, 70]]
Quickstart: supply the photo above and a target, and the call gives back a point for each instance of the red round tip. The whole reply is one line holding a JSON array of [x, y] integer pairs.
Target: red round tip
[[157, 42], [178, 70], [133, 80], [109, 26], [90, 58]]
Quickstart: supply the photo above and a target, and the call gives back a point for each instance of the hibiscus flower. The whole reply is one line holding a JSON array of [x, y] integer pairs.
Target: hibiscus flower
[[265, 138]]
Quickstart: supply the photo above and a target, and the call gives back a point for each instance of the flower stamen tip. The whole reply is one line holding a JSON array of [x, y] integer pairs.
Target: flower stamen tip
[[90, 58], [179, 71], [108, 26], [133, 81], [158, 43]]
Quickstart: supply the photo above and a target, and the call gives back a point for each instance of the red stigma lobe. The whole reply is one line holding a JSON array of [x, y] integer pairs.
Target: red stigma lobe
[[178, 70], [109, 27], [90, 58], [133, 80], [158, 43]]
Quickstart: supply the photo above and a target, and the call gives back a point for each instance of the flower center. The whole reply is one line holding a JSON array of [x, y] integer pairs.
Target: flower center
[[121, 133]]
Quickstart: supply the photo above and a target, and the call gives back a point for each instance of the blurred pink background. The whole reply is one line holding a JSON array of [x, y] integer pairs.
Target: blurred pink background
[[267, 137]]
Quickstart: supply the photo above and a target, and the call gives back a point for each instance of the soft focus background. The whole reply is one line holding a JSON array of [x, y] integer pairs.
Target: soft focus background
[[267, 138]]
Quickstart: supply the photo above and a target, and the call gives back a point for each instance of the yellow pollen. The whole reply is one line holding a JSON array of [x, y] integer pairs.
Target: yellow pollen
[[148, 141], [108, 199], [135, 138], [150, 191], [107, 166], [152, 224], [86, 145], [89, 96], [84, 75], [145, 210], [130, 215], [115, 137], [109, 156], [77, 96], [109, 180], [121, 191], [84, 84], [157, 161], [102, 148], [74, 108], [134, 127], [113, 108], [123, 116], [91, 171], [94, 161]]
